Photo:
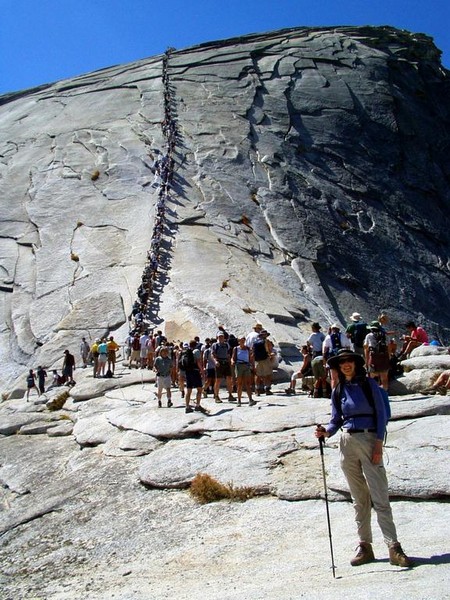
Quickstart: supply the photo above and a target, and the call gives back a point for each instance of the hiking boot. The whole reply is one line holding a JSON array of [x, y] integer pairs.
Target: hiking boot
[[239, 403], [289, 391], [201, 409], [231, 398], [217, 400], [169, 404], [159, 404], [188, 409], [251, 402], [398, 557], [364, 555], [269, 391]]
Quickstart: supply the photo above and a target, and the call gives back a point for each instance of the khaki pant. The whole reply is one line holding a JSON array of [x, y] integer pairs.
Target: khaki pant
[[368, 485]]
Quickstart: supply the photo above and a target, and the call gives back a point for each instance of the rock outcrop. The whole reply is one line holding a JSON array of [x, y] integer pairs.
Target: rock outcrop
[[311, 180], [95, 492]]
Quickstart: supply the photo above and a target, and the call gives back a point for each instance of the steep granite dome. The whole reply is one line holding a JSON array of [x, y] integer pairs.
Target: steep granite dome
[[311, 180]]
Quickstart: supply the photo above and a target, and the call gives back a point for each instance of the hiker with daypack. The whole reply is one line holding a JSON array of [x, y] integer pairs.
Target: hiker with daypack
[[243, 365], [333, 342], [102, 357], [135, 351], [263, 352], [377, 353], [359, 409], [209, 367], [222, 359], [356, 332], [191, 363], [163, 369]]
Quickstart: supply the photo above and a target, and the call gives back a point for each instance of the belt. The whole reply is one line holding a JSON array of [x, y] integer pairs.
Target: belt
[[350, 431]]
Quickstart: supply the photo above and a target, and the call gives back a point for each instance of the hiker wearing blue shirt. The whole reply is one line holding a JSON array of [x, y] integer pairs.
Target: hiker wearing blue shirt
[[358, 408]]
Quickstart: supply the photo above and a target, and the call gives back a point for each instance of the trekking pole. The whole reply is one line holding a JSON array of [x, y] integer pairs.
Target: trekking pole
[[321, 443]]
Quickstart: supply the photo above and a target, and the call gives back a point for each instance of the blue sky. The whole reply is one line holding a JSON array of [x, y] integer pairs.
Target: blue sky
[[42, 41]]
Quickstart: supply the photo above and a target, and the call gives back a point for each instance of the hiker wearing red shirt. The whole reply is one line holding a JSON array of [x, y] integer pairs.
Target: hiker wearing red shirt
[[417, 336]]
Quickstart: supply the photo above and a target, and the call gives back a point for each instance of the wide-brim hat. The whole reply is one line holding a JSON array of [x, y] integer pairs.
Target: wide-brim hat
[[355, 317], [334, 361]]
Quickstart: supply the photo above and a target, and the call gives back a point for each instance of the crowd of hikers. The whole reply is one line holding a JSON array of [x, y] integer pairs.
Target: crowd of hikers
[[243, 363], [373, 341], [146, 304]]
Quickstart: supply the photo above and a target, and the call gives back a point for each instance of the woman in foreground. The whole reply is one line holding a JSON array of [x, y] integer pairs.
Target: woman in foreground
[[358, 407]]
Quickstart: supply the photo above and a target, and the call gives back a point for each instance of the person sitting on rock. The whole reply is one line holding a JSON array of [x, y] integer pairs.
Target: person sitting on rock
[[417, 336], [441, 385], [304, 371], [55, 379]]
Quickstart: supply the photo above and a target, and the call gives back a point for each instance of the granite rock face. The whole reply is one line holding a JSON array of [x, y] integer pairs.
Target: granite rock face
[[92, 498], [311, 180]]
